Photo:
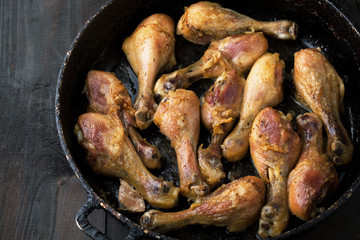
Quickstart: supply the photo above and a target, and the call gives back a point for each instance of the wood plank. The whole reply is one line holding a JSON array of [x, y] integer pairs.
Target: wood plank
[[70, 197], [35, 180]]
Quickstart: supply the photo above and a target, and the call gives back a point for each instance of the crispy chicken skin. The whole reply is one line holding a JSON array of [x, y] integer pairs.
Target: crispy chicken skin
[[241, 50], [275, 148], [235, 205], [111, 153], [205, 21], [314, 177], [220, 108], [105, 93], [150, 50], [320, 86], [263, 88], [178, 117]]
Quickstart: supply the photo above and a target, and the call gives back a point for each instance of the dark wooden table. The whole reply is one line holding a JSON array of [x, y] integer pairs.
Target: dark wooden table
[[39, 194]]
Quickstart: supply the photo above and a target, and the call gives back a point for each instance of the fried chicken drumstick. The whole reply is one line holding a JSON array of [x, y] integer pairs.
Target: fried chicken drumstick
[[205, 21], [235, 205]]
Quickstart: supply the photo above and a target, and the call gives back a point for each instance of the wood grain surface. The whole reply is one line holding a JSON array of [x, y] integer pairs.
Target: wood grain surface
[[39, 194]]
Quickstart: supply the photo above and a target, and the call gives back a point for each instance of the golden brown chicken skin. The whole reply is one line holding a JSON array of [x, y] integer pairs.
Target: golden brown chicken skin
[[235, 205], [111, 153], [220, 108], [150, 49], [314, 177], [205, 21], [178, 117], [106, 93], [275, 148], [320, 86], [263, 88], [240, 50]]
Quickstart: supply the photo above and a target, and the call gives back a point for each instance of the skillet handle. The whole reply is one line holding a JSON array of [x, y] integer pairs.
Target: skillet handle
[[83, 223]]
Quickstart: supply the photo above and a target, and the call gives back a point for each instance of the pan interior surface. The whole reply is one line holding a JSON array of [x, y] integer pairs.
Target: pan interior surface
[[99, 47]]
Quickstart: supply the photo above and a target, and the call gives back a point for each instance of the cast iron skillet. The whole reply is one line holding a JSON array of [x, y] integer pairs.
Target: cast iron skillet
[[98, 46]]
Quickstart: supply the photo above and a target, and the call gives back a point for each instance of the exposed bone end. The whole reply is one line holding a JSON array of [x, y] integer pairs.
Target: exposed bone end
[[288, 31], [211, 166], [145, 107], [149, 154], [340, 153], [282, 29], [266, 222], [196, 190], [148, 220], [165, 84], [151, 157], [293, 30], [264, 227], [144, 117], [165, 195], [159, 89]]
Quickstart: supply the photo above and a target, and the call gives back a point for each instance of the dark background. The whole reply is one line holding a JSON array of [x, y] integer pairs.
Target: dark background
[[39, 194]]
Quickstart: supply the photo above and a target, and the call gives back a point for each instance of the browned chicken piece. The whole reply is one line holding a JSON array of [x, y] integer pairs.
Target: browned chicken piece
[[204, 21], [178, 117], [220, 107], [322, 89], [150, 50], [111, 153], [314, 177], [263, 88], [241, 50], [105, 93], [130, 199], [235, 205], [275, 148]]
